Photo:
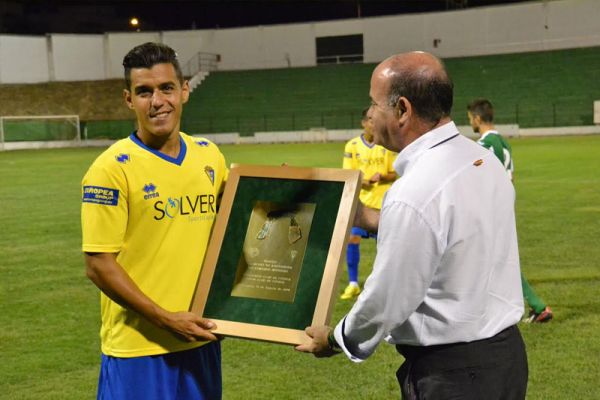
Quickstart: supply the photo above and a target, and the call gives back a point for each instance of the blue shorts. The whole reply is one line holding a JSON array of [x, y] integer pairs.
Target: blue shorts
[[190, 374], [363, 233]]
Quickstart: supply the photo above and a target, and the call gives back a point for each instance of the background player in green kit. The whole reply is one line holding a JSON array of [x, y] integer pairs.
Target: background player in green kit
[[481, 117], [376, 164], [148, 207]]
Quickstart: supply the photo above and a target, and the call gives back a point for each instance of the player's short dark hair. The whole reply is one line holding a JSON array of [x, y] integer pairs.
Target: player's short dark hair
[[365, 113], [147, 55], [431, 95], [483, 108]]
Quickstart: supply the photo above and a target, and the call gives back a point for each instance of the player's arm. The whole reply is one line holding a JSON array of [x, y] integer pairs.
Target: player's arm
[[366, 183], [383, 178], [389, 174], [106, 273], [366, 218], [349, 161]]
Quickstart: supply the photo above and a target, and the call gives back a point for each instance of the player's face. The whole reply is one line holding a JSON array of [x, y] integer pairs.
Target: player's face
[[367, 125], [475, 121], [157, 97]]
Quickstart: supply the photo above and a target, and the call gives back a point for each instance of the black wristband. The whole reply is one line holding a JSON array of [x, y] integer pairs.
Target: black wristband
[[333, 344]]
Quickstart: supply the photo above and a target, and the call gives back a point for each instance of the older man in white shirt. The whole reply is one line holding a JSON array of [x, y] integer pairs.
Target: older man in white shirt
[[445, 287]]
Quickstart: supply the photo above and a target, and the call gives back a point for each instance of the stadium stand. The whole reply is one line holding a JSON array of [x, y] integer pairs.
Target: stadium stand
[[542, 89], [554, 88], [99, 105]]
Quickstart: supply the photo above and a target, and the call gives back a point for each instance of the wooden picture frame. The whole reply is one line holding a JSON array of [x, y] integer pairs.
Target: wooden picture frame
[[329, 198]]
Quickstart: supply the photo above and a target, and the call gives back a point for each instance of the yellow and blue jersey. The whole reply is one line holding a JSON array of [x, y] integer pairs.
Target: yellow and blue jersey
[[157, 213], [370, 159]]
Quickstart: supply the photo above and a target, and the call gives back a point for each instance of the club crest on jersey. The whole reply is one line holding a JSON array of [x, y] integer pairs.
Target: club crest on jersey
[[123, 158], [210, 172], [150, 190]]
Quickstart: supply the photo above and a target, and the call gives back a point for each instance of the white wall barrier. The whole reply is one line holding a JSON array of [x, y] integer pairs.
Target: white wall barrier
[[221, 138], [506, 130], [560, 131], [312, 136]]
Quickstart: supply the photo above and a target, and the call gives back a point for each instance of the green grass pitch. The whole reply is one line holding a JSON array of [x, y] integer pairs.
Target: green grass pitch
[[49, 311]]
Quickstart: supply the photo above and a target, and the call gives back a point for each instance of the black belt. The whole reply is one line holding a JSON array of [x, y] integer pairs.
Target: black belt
[[453, 355]]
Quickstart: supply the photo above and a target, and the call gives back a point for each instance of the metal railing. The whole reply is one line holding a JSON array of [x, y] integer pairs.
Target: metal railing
[[340, 59], [201, 62]]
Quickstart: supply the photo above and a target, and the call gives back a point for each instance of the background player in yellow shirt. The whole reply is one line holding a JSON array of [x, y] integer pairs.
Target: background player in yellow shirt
[[148, 206], [376, 164]]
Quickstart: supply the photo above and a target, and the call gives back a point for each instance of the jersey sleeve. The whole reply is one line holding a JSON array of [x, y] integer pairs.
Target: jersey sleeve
[[104, 210], [223, 173], [350, 156]]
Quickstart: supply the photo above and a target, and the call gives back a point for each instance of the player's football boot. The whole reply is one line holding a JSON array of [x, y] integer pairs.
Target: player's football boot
[[544, 316], [350, 292]]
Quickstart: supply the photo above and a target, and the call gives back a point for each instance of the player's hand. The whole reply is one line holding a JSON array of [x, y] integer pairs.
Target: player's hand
[[190, 326], [375, 178], [318, 345]]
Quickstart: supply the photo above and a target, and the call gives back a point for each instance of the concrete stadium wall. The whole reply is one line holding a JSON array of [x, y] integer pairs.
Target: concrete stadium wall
[[18, 65], [69, 65], [524, 27]]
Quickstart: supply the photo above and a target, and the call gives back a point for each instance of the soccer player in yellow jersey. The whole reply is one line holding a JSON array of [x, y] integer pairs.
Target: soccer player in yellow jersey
[[148, 206], [376, 164]]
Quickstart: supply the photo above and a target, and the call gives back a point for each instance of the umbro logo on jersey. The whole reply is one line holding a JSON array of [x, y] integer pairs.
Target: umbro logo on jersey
[[150, 190], [202, 143], [210, 172], [123, 158]]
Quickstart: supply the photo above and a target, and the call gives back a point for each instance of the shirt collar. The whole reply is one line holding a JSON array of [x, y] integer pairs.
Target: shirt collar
[[369, 145], [174, 160], [413, 151], [490, 132]]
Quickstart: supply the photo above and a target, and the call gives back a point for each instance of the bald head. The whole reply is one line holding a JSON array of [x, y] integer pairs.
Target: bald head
[[422, 79]]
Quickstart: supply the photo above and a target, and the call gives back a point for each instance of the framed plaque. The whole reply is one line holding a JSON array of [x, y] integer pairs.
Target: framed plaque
[[275, 254]]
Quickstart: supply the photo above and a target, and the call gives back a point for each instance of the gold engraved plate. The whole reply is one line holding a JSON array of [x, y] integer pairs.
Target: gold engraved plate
[[273, 251]]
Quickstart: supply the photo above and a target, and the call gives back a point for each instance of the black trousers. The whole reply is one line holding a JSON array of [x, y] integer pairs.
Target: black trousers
[[488, 369]]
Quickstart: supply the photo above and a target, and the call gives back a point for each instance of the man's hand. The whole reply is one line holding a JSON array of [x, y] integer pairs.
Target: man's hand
[[319, 345], [189, 326]]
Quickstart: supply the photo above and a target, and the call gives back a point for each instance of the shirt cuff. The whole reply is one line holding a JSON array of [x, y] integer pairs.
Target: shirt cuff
[[340, 338]]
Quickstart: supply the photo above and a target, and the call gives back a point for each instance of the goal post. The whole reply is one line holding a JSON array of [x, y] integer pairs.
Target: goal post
[[39, 129]]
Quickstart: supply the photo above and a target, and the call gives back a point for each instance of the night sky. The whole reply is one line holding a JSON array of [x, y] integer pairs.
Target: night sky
[[34, 17]]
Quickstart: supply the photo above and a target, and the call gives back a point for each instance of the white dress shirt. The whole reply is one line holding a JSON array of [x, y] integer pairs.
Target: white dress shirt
[[447, 264]]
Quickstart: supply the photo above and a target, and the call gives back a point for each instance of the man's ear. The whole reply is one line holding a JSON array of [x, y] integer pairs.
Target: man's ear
[[185, 91], [127, 98], [402, 107]]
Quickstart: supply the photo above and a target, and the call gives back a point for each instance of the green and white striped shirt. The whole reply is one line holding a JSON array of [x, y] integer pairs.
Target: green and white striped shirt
[[492, 141]]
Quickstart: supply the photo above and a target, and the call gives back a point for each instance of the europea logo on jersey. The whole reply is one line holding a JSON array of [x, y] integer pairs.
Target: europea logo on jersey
[[190, 206], [100, 195]]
